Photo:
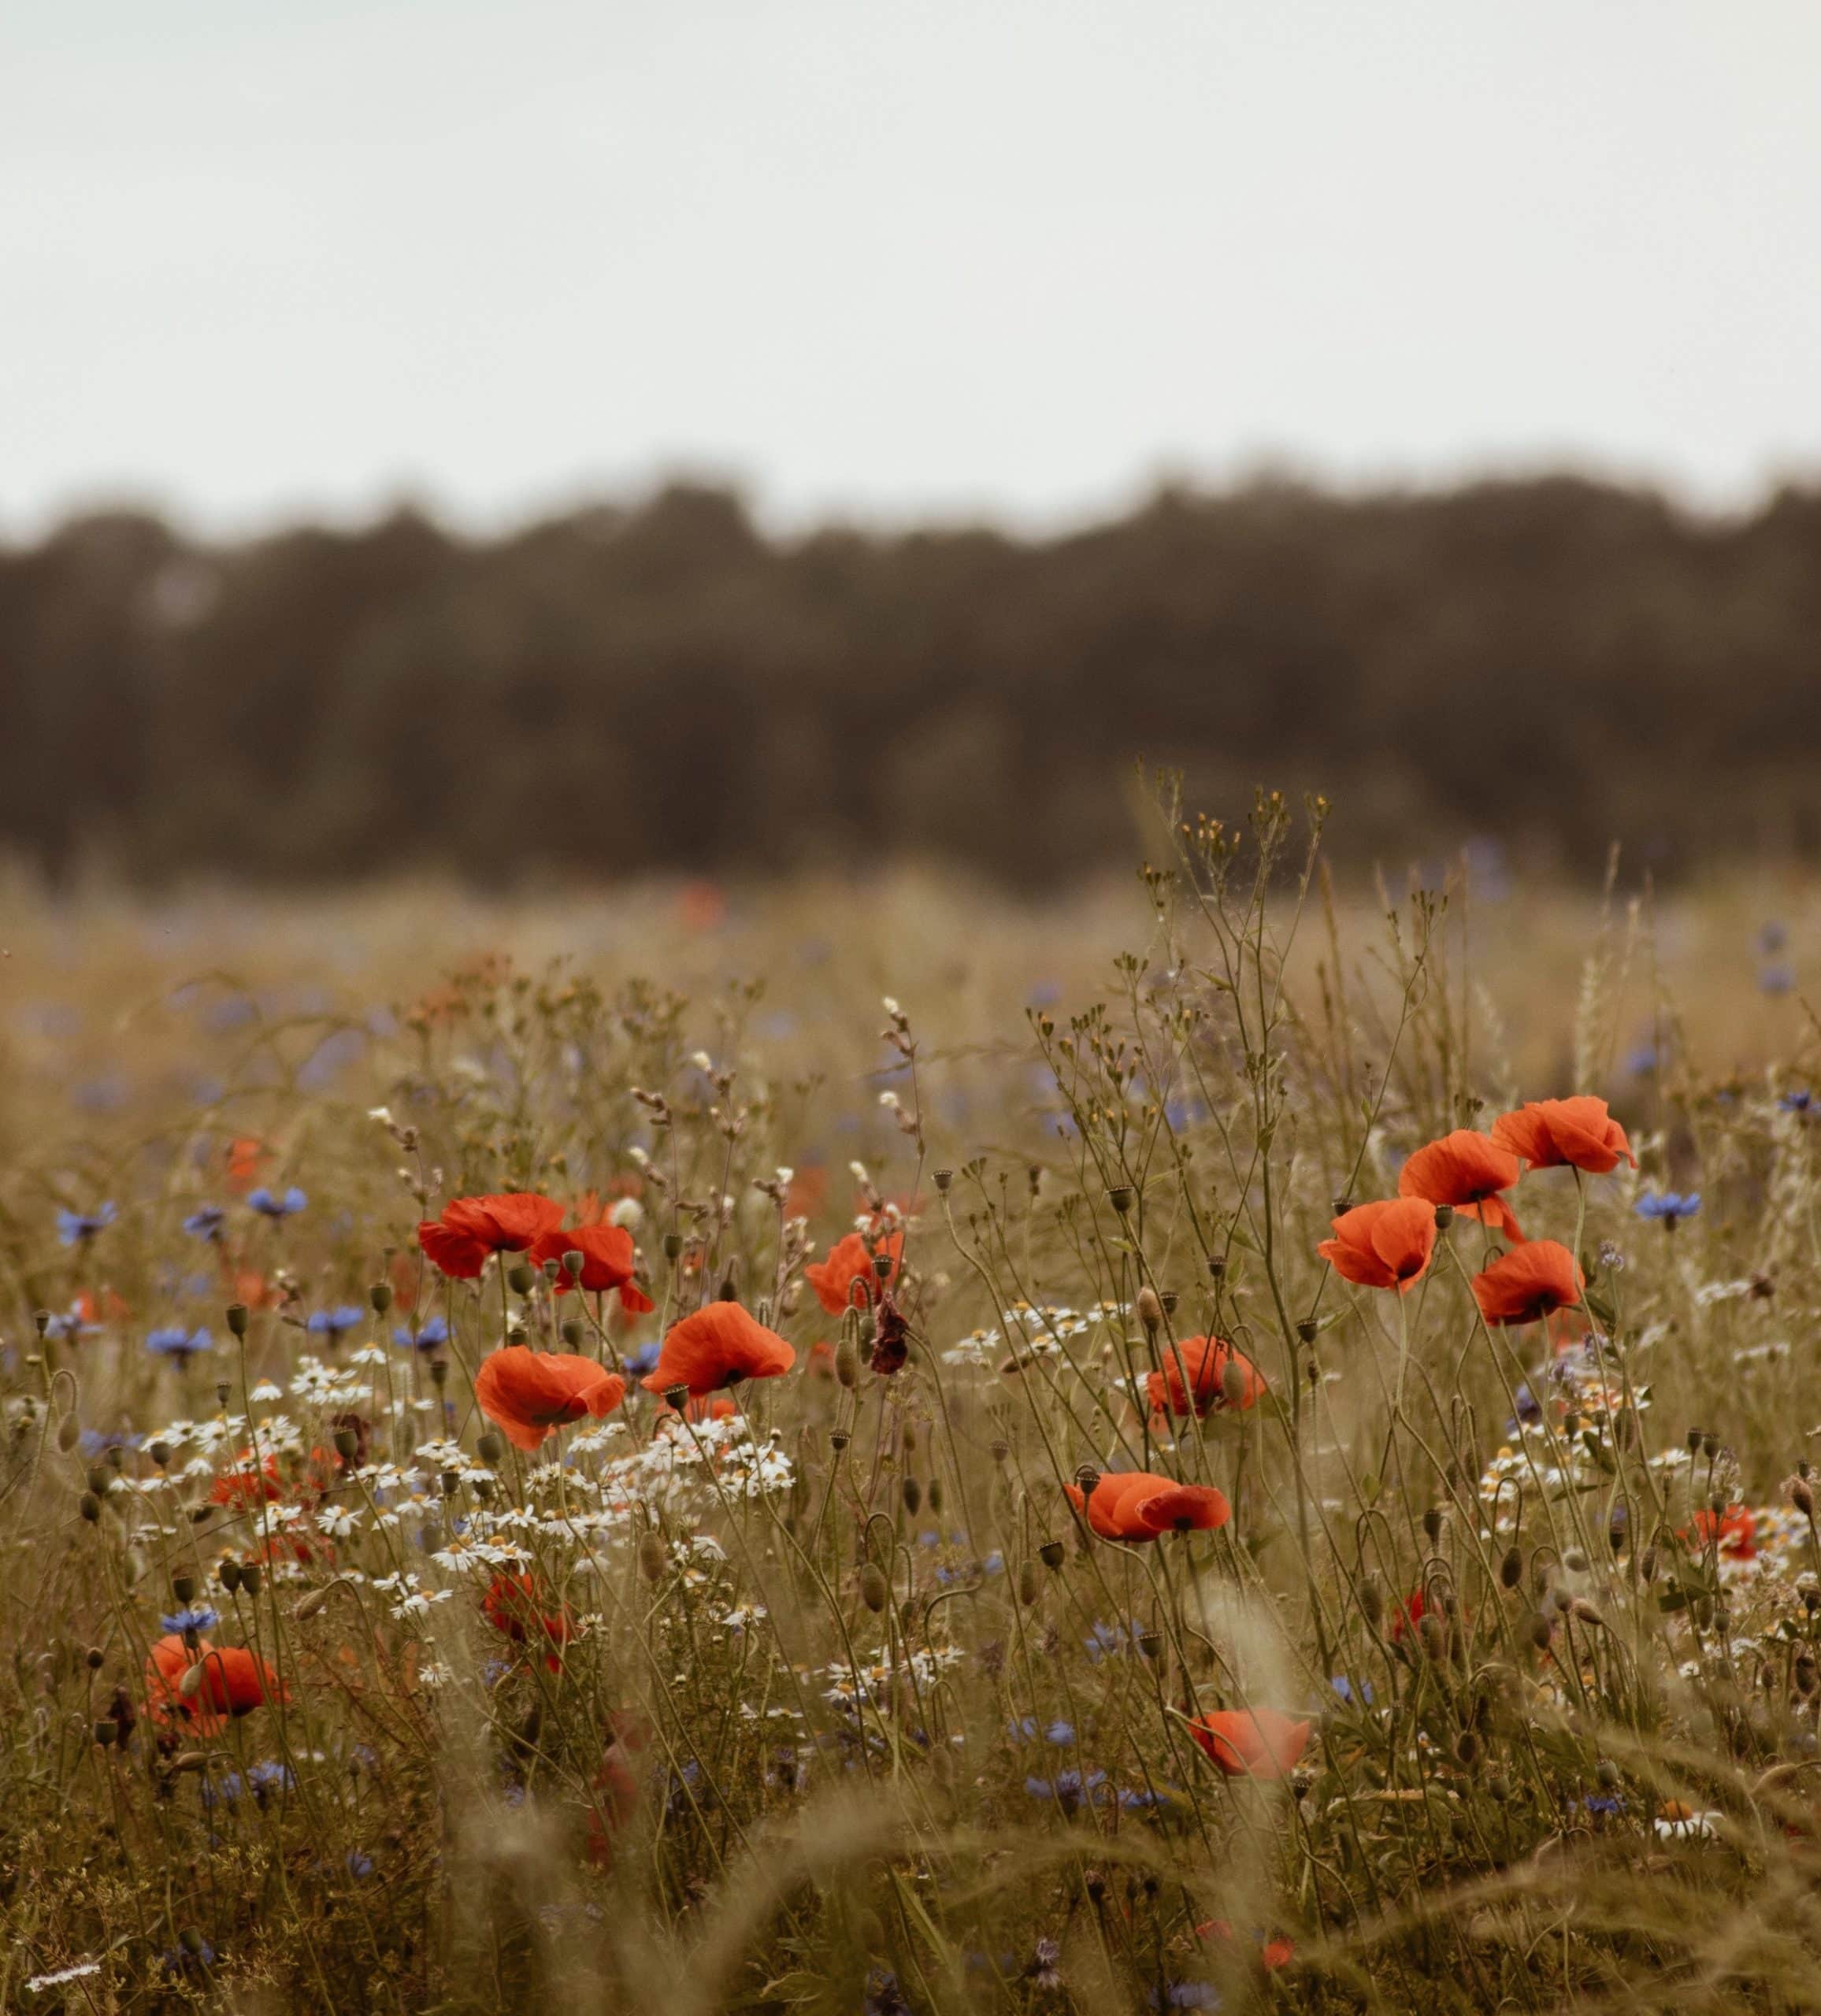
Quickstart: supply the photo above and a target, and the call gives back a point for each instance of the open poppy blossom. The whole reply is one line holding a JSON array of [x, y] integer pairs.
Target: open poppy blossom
[[527, 1393], [1273, 1953], [1118, 1507], [1185, 1508], [1251, 1743], [1530, 1283], [512, 1606], [1467, 1172], [1576, 1133], [1195, 1375], [470, 1228], [1385, 1245], [609, 1261], [229, 1681], [719, 1346], [851, 1260], [251, 1481], [1735, 1531]]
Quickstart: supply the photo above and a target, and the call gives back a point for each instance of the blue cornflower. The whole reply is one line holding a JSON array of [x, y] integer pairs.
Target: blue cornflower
[[1061, 1733], [1642, 1061], [69, 1322], [883, 1997], [78, 1227], [643, 1360], [1777, 979], [269, 1776], [172, 1340], [271, 1204], [360, 1865], [1772, 937], [433, 1334], [1105, 1640], [335, 1323], [223, 1790], [1796, 1102], [93, 1442], [1188, 1995], [192, 1951], [1022, 1729], [1606, 1803], [1067, 1787], [1668, 1206], [1347, 1691], [1134, 1799], [994, 1563], [198, 1617]]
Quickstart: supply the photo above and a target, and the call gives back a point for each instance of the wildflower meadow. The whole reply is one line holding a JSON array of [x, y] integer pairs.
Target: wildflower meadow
[[1256, 1461]]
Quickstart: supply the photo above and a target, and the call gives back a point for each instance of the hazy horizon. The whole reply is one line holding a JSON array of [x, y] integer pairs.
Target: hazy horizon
[[1016, 263]]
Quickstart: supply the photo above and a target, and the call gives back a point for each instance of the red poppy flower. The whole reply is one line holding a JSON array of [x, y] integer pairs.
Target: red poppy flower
[[471, 1227], [609, 1261], [250, 1482], [820, 1363], [1273, 1953], [1251, 1743], [1385, 1245], [1118, 1506], [1185, 1508], [512, 1606], [1467, 1171], [1531, 1282], [1204, 1361], [850, 1261], [1578, 1133], [169, 1660], [717, 1346], [245, 1154], [527, 1393], [236, 1682], [1734, 1530]]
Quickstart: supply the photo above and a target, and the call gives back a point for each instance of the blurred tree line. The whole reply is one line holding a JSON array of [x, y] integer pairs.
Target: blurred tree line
[[1551, 663]]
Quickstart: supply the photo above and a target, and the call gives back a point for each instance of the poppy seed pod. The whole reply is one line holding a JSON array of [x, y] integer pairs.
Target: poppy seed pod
[[1216, 1266], [90, 1506], [236, 1316], [574, 1260], [1120, 1198], [94, 1657], [183, 1587], [1050, 1554], [160, 1453], [676, 1397], [1432, 1524], [347, 1444], [873, 1588], [106, 1733], [1443, 1217], [250, 1576], [944, 1178], [838, 1439], [572, 1331], [1087, 1479], [379, 1297], [519, 1278], [98, 1480], [673, 1246], [228, 1573], [1308, 1329]]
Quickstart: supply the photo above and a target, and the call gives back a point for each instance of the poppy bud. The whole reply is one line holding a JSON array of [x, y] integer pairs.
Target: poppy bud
[[90, 1506], [572, 1332], [654, 1559], [228, 1573], [1540, 1632], [1150, 1310], [1468, 1751], [237, 1318], [1647, 1564], [1027, 1582], [1120, 1198], [1432, 1524], [105, 1733], [912, 1492], [1434, 1633], [519, 1278], [1308, 1329], [491, 1447], [1511, 1568], [935, 1493], [68, 1433], [250, 1572], [672, 1245], [160, 1453], [1607, 1772], [1234, 1384], [944, 1178], [907, 1435], [1050, 1554], [1371, 1602], [1802, 1498], [379, 1297], [873, 1590], [848, 1363]]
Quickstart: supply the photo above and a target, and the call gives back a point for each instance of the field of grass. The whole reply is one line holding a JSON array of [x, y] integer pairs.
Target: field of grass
[[374, 1636]]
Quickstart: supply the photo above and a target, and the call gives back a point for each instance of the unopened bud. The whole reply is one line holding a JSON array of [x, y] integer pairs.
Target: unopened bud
[[1150, 1310], [491, 1447], [573, 1331], [912, 1493], [68, 1433], [874, 1589], [653, 1558], [1233, 1383], [1512, 1567], [90, 1506], [1027, 1582]]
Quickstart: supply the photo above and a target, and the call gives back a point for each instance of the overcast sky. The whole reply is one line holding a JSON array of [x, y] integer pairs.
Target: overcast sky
[[263, 257]]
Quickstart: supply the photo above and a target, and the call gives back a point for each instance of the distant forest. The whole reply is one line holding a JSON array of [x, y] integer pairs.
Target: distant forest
[[1551, 664]]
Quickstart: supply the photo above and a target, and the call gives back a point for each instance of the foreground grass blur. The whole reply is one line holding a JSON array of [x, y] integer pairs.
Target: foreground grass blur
[[842, 1689]]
